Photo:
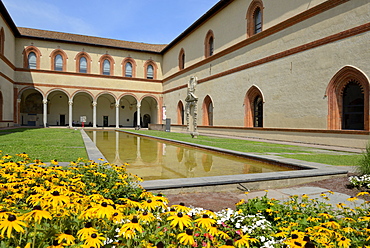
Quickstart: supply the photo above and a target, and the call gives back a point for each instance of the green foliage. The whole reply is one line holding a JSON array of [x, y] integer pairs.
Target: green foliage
[[363, 166]]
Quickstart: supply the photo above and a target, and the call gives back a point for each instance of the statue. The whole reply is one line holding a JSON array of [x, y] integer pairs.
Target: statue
[[191, 108]]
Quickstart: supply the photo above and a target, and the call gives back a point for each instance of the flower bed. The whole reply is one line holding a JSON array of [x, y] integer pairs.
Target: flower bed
[[88, 204]]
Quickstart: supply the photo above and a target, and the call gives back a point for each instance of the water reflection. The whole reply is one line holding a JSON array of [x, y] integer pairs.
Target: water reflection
[[153, 160]]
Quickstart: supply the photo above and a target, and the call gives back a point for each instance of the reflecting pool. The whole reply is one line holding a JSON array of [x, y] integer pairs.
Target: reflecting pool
[[152, 159]]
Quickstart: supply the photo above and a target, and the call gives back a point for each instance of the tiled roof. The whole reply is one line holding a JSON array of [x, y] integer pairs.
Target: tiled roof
[[44, 34]]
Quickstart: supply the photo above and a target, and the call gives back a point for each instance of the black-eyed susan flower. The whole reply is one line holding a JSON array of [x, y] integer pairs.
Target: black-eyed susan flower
[[180, 220], [186, 238], [152, 205], [55, 199], [66, 238], [7, 225], [181, 208], [245, 241], [85, 232], [95, 240], [133, 225], [205, 222], [146, 217], [343, 242], [55, 245], [104, 210], [37, 214]]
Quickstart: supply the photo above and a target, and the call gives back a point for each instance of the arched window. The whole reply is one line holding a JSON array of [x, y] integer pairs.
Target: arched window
[[207, 111], [253, 103], [128, 69], [31, 58], [150, 70], [255, 18], [209, 44], [348, 100], [58, 63], [2, 41], [32, 61], [83, 62], [106, 65], [182, 59], [180, 113], [83, 65], [58, 60]]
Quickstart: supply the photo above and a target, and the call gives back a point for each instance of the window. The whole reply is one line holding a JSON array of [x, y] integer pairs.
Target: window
[[128, 67], [106, 67], [58, 60], [255, 18], [31, 57], [58, 63], [32, 64], [149, 72], [353, 107], [83, 65], [128, 70], [182, 59], [257, 21], [150, 69], [83, 62], [209, 44], [2, 41]]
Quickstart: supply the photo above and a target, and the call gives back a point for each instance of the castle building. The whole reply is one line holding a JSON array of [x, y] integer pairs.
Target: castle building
[[281, 69]]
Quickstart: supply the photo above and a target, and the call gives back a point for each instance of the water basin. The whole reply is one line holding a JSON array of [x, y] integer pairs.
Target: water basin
[[154, 160]]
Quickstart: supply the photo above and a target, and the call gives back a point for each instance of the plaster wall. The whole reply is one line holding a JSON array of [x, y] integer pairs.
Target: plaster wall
[[293, 86]]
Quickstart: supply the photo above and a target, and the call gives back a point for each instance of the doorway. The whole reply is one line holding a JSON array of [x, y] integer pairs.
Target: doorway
[[62, 120], [105, 121]]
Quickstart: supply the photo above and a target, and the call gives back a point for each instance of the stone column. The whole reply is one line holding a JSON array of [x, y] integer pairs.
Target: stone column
[[45, 111], [70, 103], [117, 115], [94, 113], [18, 115], [138, 115]]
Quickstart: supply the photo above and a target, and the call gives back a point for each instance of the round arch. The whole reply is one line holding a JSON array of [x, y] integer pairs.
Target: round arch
[[53, 55], [253, 116], [57, 107], [78, 57], [27, 51], [180, 113], [148, 110], [334, 93], [208, 106]]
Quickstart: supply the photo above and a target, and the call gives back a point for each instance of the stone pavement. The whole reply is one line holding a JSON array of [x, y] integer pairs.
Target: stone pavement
[[312, 192]]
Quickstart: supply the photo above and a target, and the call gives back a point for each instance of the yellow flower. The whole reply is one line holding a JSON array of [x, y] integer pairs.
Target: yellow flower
[[362, 193], [180, 220], [56, 199], [229, 244], [146, 217], [186, 238], [205, 221], [181, 208], [344, 242], [69, 239], [10, 223], [85, 232], [352, 199], [104, 210], [133, 225], [94, 240], [245, 240], [37, 214]]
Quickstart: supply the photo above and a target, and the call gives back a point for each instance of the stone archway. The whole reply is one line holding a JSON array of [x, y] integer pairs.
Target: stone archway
[[149, 107], [83, 104], [207, 111], [253, 104], [338, 100], [127, 112], [31, 108], [106, 110], [58, 112]]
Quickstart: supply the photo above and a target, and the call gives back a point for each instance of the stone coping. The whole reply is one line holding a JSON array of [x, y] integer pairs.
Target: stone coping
[[92, 151], [305, 170]]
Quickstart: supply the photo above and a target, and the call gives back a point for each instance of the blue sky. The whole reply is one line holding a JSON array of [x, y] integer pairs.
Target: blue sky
[[149, 21]]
